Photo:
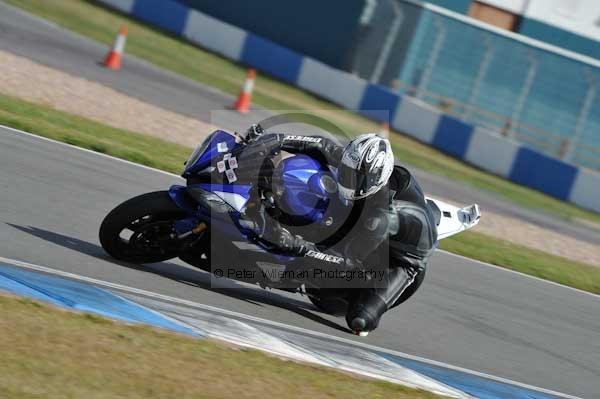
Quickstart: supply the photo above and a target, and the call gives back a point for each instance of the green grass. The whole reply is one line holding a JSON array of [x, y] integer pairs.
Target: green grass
[[172, 54], [85, 133], [525, 260], [150, 151], [54, 354]]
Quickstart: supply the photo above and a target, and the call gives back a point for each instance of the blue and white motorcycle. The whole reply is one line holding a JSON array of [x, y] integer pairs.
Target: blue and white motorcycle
[[205, 221]]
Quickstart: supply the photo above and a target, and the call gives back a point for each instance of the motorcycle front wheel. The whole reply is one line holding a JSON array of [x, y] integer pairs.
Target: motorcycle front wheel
[[140, 230]]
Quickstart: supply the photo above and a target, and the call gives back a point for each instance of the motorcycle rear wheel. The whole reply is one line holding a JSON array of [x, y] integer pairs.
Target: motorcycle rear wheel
[[140, 229]]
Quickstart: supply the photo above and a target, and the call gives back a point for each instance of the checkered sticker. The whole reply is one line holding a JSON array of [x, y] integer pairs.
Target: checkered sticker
[[231, 177], [227, 165]]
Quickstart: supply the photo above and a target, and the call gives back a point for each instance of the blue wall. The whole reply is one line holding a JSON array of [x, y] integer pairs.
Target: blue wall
[[549, 175], [324, 30], [553, 105], [276, 60], [559, 37], [537, 30], [166, 15], [461, 6]]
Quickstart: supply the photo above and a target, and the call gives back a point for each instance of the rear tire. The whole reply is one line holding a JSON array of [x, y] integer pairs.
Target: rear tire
[[149, 218]]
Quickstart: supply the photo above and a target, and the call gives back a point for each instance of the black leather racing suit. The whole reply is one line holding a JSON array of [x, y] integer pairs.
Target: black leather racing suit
[[412, 237], [396, 218]]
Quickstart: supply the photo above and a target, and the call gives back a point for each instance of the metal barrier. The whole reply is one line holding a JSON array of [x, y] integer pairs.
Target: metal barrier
[[534, 93], [473, 144]]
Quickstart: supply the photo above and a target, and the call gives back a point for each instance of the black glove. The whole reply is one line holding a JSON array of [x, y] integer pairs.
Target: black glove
[[293, 244], [253, 133]]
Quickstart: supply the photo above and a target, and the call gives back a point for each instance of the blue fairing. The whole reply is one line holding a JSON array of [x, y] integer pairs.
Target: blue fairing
[[219, 142], [179, 197], [298, 180], [241, 189], [236, 195]]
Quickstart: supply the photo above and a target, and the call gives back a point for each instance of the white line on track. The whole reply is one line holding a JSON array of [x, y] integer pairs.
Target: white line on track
[[35, 136], [214, 309], [505, 270]]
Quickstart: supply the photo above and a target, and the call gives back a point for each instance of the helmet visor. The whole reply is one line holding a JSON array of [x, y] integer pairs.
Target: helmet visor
[[354, 181]]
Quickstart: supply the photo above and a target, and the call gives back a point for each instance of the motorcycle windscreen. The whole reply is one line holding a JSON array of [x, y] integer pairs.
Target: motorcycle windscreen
[[217, 143]]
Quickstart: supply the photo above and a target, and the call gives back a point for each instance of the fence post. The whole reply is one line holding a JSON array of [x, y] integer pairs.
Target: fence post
[[364, 22], [527, 84], [481, 72], [588, 100], [390, 39], [433, 57]]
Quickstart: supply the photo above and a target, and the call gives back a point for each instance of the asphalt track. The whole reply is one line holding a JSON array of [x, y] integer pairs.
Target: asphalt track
[[53, 198], [43, 42]]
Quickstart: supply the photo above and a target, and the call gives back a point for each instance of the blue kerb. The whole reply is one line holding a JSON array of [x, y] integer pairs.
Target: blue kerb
[[11, 285], [543, 173], [479, 387], [79, 296], [271, 58], [453, 136], [166, 14]]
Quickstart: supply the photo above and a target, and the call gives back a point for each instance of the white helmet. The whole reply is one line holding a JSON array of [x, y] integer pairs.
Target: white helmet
[[366, 166]]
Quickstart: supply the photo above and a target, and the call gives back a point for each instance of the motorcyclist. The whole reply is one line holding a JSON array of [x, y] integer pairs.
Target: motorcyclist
[[389, 211]]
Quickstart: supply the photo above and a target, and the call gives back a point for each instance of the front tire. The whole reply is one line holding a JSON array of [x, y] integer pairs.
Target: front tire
[[140, 229]]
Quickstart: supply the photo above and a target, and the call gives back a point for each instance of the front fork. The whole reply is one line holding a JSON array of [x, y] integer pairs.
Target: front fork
[[192, 224], [200, 218]]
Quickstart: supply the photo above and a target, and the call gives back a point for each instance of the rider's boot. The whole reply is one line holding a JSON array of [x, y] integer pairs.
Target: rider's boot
[[364, 314]]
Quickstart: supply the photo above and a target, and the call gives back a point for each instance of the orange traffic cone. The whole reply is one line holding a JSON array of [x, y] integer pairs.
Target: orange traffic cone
[[113, 59], [385, 130], [242, 105]]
